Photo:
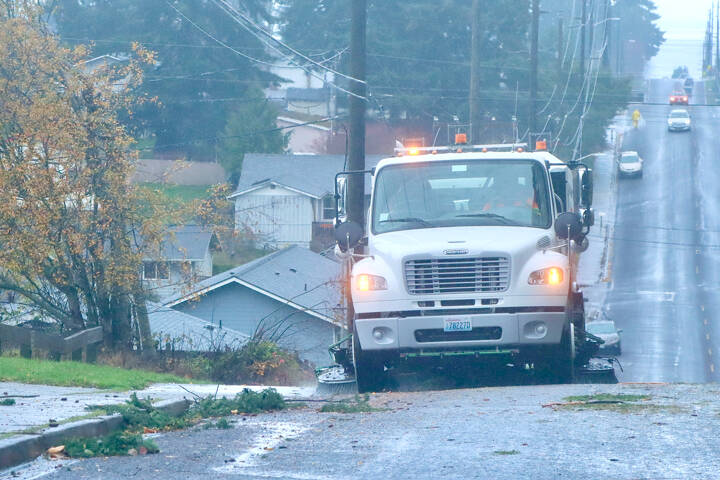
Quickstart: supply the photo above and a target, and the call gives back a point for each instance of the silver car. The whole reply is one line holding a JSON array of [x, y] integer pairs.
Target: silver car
[[606, 330], [630, 164], [679, 121]]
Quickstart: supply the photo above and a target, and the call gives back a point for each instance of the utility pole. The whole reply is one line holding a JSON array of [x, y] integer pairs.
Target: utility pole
[[591, 34], [717, 39], [532, 121], [606, 34], [356, 152], [561, 37], [475, 83], [583, 21]]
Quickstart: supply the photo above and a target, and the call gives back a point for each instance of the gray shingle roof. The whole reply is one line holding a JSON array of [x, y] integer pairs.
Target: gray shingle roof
[[189, 242], [311, 174], [294, 274], [308, 94], [188, 333]]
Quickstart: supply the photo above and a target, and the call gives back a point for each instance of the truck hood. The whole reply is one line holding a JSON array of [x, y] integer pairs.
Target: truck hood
[[475, 240]]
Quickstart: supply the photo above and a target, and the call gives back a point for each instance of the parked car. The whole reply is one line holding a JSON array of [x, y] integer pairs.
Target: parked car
[[679, 120], [606, 330], [630, 164], [679, 98]]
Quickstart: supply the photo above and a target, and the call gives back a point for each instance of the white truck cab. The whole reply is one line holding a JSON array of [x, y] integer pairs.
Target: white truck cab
[[467, 253]]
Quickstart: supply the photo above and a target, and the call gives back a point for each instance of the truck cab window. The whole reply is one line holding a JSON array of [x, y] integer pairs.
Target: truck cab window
[[467, 193]]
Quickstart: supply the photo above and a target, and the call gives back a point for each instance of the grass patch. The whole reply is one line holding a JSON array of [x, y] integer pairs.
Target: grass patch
[[7, 402], [506, 452], [619, 403], [357, 405], [607, 397], [179, 193], [76, 374]]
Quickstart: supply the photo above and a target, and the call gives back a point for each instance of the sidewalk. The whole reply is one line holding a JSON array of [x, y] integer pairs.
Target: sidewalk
[[595, 270]]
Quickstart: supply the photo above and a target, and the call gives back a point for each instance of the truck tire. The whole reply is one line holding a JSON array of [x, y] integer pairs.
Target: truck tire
[[564, 361], [558, 366], [369, 372]]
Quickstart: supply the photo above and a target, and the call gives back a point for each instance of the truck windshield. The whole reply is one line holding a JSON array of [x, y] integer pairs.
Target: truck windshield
[[461, 193]]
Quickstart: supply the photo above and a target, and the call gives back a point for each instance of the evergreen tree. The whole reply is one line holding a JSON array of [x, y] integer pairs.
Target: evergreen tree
[[197, 81]]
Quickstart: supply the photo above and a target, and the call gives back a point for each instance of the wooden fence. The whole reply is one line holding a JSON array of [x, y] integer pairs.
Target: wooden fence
[[75, 347]]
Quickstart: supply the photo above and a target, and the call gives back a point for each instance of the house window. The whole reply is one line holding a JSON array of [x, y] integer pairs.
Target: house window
[[155, 271], [328, 207]]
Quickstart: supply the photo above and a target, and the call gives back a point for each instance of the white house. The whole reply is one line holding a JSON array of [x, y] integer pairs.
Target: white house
[[185, 256], [289, 199]]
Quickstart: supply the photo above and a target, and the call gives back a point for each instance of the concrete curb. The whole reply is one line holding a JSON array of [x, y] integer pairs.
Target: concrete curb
[[23, 448]]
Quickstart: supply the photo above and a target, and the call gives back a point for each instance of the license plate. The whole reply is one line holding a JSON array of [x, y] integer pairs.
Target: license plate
[[457, 324]]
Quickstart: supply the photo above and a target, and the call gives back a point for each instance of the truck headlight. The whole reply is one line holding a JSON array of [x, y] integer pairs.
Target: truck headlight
[[366, 282], [546, 276]]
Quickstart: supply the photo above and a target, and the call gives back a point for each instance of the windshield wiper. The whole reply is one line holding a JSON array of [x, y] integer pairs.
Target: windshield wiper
[[406, 220], [494, 216]]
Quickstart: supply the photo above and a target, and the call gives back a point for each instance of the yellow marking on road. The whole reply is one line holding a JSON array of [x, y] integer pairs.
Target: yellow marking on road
[[707, 336], [712, 368], [710, 351], [697, 269], [702, 307]]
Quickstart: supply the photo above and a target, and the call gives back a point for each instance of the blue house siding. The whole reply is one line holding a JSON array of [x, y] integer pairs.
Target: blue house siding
[[242, 309]]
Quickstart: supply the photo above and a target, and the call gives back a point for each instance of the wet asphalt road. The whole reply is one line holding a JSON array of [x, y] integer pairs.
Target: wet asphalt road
[[666, 264], [483, 433]]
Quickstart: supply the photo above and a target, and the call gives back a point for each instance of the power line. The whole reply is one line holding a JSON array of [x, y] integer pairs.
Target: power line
[[235, 14], [231, 12]]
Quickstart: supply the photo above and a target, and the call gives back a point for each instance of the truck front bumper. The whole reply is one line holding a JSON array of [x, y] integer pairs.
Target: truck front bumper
[[404, 334]]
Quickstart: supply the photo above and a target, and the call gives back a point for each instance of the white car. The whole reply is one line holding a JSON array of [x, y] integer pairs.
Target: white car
[[605, 329], [679, 121], [630, 164]]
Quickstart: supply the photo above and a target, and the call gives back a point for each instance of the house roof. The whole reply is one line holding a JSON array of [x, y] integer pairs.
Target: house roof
[[295, 276], [186, 243], [189, 333], [313, 175], [307, 94]]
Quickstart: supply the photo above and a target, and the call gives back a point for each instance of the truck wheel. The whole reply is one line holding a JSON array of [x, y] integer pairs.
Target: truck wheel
[[369, 372], [565, 358], [559, 365]]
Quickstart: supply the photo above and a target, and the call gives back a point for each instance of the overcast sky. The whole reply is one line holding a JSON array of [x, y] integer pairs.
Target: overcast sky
[[684, 24]]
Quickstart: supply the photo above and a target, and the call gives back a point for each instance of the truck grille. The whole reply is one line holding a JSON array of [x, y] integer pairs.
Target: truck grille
[[457, 275]]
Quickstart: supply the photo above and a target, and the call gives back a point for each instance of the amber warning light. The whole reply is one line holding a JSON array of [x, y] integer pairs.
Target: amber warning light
[[541, 145], [460, 138]]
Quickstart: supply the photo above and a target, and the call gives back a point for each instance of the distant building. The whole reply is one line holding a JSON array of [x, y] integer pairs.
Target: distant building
[[292, 296], [186, 254], [289, 199]]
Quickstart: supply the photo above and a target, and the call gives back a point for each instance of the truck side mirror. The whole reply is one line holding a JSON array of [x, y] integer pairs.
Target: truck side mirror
[[568, 225], [587, 188], [588, 217], [340, 197], [348, 235]]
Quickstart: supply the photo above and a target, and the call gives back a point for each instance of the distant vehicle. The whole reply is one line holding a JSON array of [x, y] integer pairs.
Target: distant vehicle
[[679, 121], [679, 98], [606, 330], [630, 164], [688, 85]]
